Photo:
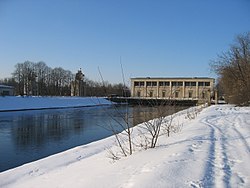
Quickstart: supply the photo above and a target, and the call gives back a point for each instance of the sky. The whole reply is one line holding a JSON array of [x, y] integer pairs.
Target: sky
[[149, 38]]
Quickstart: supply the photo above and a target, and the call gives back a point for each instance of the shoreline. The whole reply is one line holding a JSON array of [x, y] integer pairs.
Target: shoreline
[[18, 103], [167, 165], [53, 108]]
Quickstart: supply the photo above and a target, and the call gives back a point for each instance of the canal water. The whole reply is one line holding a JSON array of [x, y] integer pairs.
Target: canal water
[[31, 135]]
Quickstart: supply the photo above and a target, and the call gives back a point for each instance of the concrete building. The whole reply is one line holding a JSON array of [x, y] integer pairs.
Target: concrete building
[[6, 90], [196, 88]]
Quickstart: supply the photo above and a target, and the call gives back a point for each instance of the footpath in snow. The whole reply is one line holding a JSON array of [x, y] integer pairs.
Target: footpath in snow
[[212, 150], [10, 103]]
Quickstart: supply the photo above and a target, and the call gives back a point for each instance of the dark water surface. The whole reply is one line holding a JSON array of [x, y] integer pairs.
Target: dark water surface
[[31, 135]]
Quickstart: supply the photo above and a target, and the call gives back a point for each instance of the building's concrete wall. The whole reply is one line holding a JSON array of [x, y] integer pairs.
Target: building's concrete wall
[[181, 91]]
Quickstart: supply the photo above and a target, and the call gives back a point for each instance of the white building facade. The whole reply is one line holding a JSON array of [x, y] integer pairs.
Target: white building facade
[[193, 88], [6, 90]]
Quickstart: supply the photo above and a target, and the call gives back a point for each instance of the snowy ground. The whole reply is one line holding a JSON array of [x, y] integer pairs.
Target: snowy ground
[[35, 103], [212, 150]]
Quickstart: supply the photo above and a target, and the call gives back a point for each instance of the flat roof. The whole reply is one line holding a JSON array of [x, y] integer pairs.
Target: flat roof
[[4, 86], [171, 78]]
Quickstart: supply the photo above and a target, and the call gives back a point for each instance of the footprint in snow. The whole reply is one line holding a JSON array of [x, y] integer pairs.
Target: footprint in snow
[[175, 154]]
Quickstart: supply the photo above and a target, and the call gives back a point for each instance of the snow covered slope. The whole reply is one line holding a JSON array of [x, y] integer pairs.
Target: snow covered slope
[[34, 103], [212, 150]]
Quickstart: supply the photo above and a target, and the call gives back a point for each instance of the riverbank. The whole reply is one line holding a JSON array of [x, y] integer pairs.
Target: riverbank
[[18, 103], [212, 150]]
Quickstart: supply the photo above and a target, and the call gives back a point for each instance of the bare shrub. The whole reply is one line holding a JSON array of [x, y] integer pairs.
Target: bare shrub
[[112, 155], [168, 126], [191, 114], [162, 125]]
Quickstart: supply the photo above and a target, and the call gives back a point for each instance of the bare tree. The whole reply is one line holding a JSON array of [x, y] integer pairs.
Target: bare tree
[[233, 68], [25, 76], [19, 78], [153, 127], [124, 139], [161, 125], [42, 73], [39, 79]]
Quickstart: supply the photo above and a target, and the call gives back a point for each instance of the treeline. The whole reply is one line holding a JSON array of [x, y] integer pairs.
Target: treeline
[[31, 78], [233, 69]]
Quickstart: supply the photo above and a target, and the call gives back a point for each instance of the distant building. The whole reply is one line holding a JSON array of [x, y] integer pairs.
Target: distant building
[[196, 88], [78, 85], [6, 90]]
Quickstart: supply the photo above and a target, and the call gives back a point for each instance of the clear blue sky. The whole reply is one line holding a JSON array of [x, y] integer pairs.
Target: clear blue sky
[[158, 38]]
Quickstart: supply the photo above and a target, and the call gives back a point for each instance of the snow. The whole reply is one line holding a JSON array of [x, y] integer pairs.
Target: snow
[[212, 150], [13, 103]]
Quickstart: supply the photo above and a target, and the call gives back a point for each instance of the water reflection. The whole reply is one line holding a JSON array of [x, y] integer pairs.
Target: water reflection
[[31, 135]]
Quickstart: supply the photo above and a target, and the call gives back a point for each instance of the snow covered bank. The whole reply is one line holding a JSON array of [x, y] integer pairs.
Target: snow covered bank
[[212, 150], [35, 103]]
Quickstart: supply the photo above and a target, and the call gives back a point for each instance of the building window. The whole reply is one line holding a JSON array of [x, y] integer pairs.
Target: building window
[[163, 94], [138, 93], [177, 83], [200, 83], [151, 83], [204, 83], [164, 83], [176, 94], [139, 83], [190, 83], [4, 93], [190, 94], [207, 83]]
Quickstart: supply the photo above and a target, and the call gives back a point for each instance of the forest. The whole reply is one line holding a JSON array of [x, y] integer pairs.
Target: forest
[[37, 78]]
